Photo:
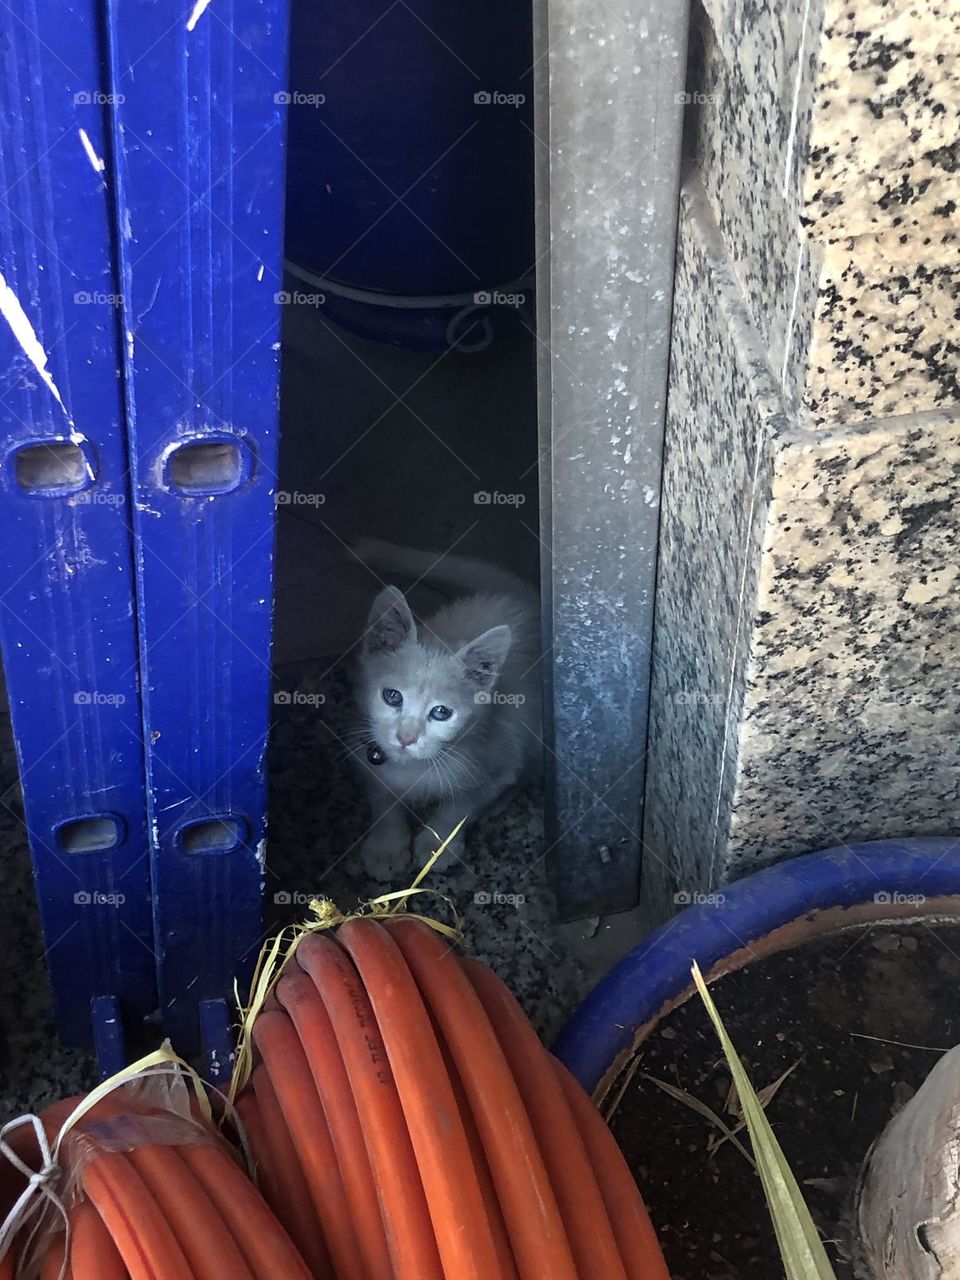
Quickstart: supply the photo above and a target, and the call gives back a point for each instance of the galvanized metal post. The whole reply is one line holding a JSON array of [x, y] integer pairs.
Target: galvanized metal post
[[609, 83]]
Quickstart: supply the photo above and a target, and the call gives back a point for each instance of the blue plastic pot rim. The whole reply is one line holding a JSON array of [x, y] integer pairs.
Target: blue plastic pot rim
[[781, 906]]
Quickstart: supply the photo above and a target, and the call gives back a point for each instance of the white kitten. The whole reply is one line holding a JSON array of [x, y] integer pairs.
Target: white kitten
[[452, 701]]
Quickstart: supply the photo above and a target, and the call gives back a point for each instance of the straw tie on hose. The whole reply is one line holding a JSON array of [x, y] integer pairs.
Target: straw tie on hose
[[42, 1192], [403, 1091], [326, 915], [163, 1197]]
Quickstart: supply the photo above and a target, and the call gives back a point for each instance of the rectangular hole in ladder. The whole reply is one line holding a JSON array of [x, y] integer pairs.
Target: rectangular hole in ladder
[[87, 835], [213, 835], [206, 467], [57, 467]]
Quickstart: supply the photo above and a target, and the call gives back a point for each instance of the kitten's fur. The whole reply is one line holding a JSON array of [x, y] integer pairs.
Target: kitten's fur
[[479, 657]]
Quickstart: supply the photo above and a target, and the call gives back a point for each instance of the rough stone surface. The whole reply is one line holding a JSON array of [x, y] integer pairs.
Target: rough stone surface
[[883, 340], [885, 131], [807, 653], [851, 719], [716, 480], [828, 141]]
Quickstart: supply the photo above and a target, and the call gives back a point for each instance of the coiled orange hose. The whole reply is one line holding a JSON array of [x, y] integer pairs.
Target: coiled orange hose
[[159, 1211], [209, 1248], [406, 1122], [399, 1186], [292, 1202], [574, 1182], [461, 1227], [300, 998], [144, 1239], [462, 1112], [529, 1206], [92, 1251], [639, 1247], [264, 1244], [286, 1063]]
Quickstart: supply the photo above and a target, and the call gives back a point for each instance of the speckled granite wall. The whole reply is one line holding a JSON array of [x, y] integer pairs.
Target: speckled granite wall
[[850, 720], [722, 413], [807, 646], [829, 146]]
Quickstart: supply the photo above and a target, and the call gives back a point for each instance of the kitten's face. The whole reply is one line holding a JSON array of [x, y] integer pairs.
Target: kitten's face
[[419, 698]]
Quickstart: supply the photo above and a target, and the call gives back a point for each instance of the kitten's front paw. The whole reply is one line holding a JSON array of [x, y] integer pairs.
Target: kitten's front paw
[[426, 842], [386, 858]]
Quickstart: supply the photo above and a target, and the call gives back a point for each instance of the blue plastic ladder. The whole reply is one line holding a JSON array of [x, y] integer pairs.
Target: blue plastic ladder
[[137, 516], [67, 582], [198, 141]]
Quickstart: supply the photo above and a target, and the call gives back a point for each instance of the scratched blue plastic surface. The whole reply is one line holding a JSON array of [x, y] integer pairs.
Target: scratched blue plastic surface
[[66, 581], [108, 1038], [217, 1053], [199, 143]]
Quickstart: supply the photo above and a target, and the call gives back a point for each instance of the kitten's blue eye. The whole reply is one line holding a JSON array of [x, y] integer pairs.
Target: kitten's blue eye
[[440, 713], [392, 697]]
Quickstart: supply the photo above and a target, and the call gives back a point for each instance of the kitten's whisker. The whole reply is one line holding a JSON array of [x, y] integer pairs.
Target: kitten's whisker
[[460, 761]]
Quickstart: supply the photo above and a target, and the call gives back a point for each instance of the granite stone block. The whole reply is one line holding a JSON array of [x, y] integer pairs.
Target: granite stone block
[[855, 295], [884, 140], [807, 651], [855, 102], [851, 713], [883, 338], [721, 412]]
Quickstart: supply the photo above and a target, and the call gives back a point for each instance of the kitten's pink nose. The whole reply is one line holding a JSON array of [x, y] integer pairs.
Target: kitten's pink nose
[[406, 738]]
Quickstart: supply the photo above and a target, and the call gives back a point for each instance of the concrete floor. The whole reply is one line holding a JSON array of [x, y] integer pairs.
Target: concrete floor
[[375, 442]]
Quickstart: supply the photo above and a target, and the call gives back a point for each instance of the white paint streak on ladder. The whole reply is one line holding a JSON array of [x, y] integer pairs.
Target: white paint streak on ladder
[[95, 161], [30, 344], [199, 9]]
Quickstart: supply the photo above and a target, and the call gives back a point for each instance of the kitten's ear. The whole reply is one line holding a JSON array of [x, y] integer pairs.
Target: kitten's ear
[[390, 624], [483, 658]]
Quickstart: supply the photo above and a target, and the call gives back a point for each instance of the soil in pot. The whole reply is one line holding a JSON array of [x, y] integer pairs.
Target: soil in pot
[[860, 1016]]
